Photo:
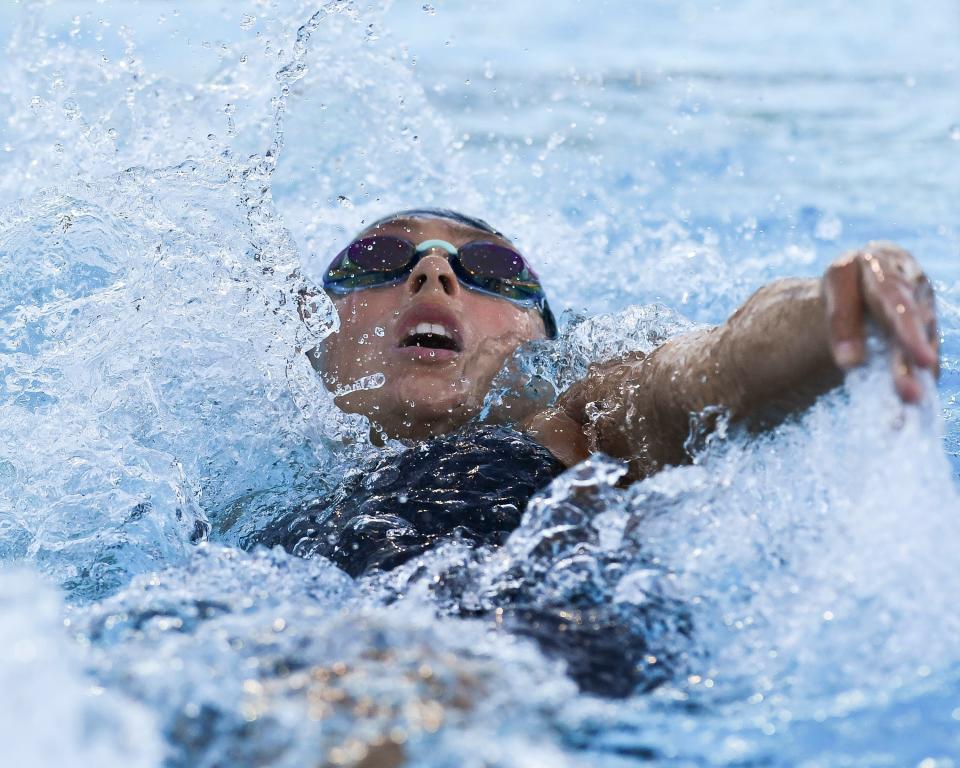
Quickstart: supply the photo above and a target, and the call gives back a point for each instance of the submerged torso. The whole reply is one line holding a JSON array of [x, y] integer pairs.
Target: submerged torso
[[472, 485]]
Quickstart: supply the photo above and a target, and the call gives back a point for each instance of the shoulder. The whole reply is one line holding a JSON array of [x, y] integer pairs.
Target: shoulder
[[560, 429]]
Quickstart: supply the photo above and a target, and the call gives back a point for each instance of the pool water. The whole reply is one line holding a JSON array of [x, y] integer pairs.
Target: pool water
[[172, 176]]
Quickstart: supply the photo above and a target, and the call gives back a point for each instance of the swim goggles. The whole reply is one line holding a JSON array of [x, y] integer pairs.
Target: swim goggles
[[381, 260]]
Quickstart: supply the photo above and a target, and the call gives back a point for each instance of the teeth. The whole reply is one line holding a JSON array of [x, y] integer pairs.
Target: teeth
[[434, 328]]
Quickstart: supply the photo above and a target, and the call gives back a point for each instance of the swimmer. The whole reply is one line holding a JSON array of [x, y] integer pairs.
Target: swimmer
[[439, 301]]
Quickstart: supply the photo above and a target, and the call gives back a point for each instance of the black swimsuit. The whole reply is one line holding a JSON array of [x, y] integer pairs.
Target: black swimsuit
[[474, 486]]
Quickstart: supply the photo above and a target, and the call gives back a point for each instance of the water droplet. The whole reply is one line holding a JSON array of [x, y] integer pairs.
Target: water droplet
[[247, 21], [829, 227], [537, 170], [379, 331], [429, 9], [955, 132], [344, 202], [70, 109]]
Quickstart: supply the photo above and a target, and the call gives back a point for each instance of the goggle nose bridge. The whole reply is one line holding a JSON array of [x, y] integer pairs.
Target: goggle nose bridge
[[428, 245]]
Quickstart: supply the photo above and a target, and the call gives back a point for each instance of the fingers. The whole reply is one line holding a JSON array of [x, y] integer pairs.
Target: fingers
[[845, 313], [887, 282], [892, 301], [905, 379]]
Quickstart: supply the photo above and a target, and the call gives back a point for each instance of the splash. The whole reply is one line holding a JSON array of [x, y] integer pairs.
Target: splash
[[46, 691], [793, 591]]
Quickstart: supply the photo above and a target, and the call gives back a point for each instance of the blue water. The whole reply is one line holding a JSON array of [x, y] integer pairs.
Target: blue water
[[171, 177]]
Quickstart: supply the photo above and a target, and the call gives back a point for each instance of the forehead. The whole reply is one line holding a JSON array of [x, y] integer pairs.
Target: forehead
[[420, 228]]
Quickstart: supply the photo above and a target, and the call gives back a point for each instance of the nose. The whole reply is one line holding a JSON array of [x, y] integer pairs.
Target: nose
[[433, 273]]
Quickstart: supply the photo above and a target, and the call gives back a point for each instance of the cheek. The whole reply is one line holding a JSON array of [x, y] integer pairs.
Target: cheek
[[496, 319], [357, 349]]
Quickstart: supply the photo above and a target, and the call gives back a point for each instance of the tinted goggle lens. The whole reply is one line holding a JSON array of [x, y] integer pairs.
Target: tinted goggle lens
[[375, 255], [499, 270]]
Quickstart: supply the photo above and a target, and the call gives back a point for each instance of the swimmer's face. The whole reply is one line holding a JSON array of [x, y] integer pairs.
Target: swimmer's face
[[428, 390]]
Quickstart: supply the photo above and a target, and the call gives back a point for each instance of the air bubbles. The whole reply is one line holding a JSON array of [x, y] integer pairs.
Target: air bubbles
[[228, 110]]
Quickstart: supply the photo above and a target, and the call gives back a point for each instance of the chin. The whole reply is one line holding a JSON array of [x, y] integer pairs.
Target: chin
[[433, 406], [436, 403]]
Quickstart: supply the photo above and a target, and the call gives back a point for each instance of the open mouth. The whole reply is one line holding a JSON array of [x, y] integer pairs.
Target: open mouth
[[430, 336]]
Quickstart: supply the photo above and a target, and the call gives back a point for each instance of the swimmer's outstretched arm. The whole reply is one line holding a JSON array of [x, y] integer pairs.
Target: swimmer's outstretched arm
[[790, 342]]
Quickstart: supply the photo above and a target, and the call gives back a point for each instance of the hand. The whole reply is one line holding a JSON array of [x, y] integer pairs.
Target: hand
[[886, 282]]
